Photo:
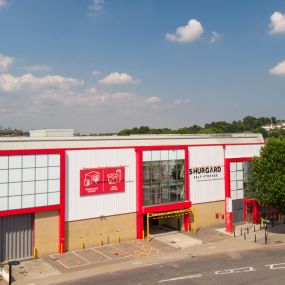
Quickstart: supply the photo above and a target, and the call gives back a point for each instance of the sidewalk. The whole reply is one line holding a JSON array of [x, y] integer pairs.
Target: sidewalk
[[134, 254]]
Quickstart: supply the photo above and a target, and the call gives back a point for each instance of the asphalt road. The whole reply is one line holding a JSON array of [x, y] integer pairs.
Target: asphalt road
[[266, 266]]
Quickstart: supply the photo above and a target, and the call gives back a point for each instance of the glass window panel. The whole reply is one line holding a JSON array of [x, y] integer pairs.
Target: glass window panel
[[15, 189], [29, 174], [28, 187], [156, 194], [239, 184], [233, 166], [41, 173], [29, 161], [165, 192], [239, 175], [41, 160], [164, 170], [233, 185], [53, 198], [164, 155], [53, 173], [4, 190], [155, 155], [15, 202], [234, 195], [181, 190], [239, 166], [180, 154], [172, 170], [155, 171], [28, 201], [3, 162], [233, 176], [3, 176], [41, 186], [172, 154], [54, 160], [147, 172], [15, 175], [15, 161], [180, 169], [53, 185], [3, 203], [147, 193], [147, 155], [240, 194], [41, 200]]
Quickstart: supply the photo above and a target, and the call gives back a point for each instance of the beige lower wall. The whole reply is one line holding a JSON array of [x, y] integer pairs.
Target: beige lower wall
[[46, 232], [206, 214], [108, 229]]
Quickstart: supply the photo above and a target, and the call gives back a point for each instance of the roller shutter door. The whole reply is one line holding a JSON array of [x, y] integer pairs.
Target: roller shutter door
[[16, 237]]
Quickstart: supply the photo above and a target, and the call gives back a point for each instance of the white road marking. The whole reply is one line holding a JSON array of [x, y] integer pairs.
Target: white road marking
[[181, 278], [276, 266], [235, 270], [79, 256]]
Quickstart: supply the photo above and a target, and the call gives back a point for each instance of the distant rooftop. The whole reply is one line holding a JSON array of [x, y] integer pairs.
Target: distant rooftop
[[45, 133]]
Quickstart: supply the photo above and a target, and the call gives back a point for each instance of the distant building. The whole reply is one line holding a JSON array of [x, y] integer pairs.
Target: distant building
[[271, 127]]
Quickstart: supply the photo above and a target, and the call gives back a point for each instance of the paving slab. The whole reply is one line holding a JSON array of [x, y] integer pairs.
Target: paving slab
[[91, 255], [177, 240]]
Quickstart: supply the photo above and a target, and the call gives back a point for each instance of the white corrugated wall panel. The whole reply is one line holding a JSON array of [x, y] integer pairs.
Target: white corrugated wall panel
[[91, 206], [239, 151], [204, 188]]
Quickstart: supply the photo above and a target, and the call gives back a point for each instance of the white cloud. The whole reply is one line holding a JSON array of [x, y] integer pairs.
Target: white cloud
[[96, 7], [3, 3], [95, 72], [118, 78], [32, 68], [277, 23], [278, 70], [214, 37], [5, 61], [181, 101], [189, 33], [153, 100], [10, 83]]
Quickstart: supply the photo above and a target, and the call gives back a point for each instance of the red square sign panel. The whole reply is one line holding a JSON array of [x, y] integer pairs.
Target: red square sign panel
[[102, 180]]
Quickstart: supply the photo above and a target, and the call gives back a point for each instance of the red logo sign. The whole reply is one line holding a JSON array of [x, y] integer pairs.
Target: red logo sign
[[102, 180]]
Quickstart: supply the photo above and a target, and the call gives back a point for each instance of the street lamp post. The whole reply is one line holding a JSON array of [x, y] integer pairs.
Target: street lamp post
[[11, 263]]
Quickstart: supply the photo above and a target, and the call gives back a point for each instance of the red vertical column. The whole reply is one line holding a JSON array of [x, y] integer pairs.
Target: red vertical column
[[139, 177], [62, 204], [255, 212], [187, 188], [228, 200]]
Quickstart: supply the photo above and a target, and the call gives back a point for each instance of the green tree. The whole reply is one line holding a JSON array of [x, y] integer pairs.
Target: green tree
[[267, 181]]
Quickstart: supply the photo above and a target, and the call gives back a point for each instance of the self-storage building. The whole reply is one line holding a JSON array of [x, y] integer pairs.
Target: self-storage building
[[58, 190]]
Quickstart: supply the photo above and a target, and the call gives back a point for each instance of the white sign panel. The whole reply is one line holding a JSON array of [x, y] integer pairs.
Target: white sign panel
[[206, 174]]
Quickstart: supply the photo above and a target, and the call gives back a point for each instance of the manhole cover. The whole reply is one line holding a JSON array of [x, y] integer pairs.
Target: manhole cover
[[278, 241]]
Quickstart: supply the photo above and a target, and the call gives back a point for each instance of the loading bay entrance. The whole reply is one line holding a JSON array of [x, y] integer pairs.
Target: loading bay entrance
[[172, 219]]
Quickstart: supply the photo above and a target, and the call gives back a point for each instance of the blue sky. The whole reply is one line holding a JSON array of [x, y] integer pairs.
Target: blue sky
[[105, 65]]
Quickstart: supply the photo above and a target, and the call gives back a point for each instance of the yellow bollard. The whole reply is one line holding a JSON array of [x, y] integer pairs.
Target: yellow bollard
[[118, 237], [143, 235], [100, 240], [35, 252], [188, 228], [81, 244], [195, 221]]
